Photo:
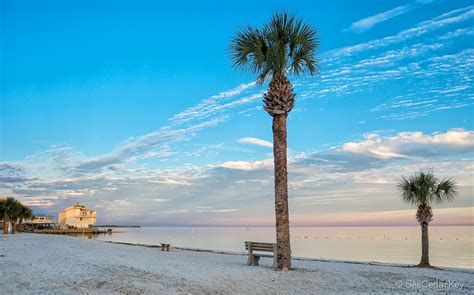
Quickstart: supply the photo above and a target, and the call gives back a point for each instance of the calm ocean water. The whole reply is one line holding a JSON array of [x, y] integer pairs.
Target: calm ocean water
[[449, 246]]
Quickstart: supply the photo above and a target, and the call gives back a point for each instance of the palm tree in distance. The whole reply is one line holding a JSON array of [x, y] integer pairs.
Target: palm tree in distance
[[23, 214], [15, 214], [10, 210], [2, 213], [282, 46], [423, 190]]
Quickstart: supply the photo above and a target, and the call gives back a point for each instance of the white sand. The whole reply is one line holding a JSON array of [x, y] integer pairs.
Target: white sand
[[48, 264]]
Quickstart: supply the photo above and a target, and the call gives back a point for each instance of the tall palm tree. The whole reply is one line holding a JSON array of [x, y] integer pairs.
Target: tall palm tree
[[423, 190], [282, 46]]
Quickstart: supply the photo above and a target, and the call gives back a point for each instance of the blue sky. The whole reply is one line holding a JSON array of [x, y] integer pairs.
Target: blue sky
[[133, 108]]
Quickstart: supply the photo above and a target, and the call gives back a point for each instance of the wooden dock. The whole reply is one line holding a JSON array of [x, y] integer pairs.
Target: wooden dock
[[78, 231]]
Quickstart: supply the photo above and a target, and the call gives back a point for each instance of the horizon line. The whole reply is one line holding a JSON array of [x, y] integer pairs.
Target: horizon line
[[217, 225]]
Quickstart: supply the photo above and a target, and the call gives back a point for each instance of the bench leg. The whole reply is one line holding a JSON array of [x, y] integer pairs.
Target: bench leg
[[253, 260], [250, 259]]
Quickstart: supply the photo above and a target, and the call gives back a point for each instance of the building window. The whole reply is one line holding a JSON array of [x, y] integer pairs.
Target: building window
[[81, 218]]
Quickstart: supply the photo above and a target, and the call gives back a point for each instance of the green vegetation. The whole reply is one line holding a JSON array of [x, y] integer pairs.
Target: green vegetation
[[13, 212]]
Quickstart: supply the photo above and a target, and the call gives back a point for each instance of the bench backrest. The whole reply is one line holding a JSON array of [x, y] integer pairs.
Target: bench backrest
[[258, 246]]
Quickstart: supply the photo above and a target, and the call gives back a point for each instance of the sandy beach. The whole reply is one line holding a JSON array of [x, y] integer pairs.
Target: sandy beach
[[49, 264]]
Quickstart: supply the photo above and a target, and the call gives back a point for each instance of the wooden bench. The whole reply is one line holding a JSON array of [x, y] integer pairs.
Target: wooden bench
[[253, 257], [165, 247]]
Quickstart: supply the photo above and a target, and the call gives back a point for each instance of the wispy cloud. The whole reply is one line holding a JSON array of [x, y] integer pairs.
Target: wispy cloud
[[422, 28], [368, 22], [463, 32], [141, 146], [214, 104], [210, 112], [245, 165], [256, 141], [39, 203], [410, 57], [210, 210]]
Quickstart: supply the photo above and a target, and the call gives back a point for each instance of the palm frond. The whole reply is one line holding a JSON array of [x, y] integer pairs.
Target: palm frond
[[248, 50], [424, 189], [284, 44], [446, 191], [11, 207], [303, 45], [408, 191]]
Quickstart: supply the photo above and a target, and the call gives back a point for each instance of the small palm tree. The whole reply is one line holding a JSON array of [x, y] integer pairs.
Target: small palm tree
[[24, 214], [282, 46], [15, 214], [423, 190], [10, 211], [2, 212]]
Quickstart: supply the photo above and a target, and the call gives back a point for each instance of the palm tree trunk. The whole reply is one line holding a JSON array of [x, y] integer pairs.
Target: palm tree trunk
[[5, 225], [13, 227], [425, 259], [20, 225], [281, 193]]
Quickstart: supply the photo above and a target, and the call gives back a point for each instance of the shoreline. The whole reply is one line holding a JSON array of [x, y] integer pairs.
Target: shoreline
[[38, 263], [374, 263], [297, 226], [451, 247]]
